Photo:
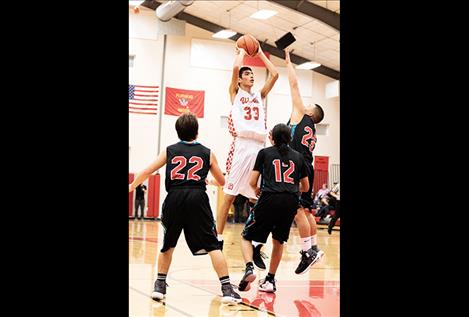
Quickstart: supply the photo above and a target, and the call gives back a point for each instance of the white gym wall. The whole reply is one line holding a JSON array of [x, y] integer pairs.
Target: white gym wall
[[184, 71]]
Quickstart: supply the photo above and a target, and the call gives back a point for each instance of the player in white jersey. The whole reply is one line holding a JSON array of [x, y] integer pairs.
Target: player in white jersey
[[247, 125]]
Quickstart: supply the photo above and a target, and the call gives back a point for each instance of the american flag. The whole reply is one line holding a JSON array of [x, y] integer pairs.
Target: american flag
[[143, 99]]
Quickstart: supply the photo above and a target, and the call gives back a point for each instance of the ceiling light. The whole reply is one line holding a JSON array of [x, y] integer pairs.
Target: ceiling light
[[224, 34], [135, 3], [263, 14], [308, 65]]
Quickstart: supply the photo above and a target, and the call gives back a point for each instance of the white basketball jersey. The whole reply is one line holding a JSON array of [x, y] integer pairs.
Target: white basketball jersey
[[247, 116]]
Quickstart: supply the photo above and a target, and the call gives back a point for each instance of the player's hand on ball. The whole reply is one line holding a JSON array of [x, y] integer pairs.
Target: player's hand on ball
[[240, 51]]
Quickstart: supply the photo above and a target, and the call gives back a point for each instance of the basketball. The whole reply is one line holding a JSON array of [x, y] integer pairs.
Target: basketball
[[249, 44]]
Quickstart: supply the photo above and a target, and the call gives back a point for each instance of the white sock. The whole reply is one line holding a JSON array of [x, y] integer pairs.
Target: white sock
[[255, 244], [306, 243], [314, 239], [220, 237]]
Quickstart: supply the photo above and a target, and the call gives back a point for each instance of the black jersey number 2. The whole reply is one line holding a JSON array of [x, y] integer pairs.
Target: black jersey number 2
[[182, 162], [309, 136]]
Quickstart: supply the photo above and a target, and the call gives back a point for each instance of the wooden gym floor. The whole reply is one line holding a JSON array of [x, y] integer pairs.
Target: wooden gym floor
[[194, 289]]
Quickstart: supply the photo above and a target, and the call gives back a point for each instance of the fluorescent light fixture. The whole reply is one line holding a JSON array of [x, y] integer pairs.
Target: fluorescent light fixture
[[135, 3], [263, 14], [224, 34], [308, 65]]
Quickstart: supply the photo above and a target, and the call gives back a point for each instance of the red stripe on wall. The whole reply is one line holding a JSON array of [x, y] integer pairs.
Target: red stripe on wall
[[131, 196], [321, 172], [153, 196], [320, 177]]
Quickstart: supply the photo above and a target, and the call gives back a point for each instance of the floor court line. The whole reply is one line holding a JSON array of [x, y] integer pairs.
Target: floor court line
[[163, 303], [207, 291], [210, 292], [316, 295]]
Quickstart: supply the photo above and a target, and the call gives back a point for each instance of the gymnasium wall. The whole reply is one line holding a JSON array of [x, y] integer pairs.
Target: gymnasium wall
[[147, 47], [182, 72]]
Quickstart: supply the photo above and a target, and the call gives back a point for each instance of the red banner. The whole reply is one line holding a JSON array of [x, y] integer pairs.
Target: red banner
[[153, 196], [254, 61], [180, 101], [321, 163], [321, 172], [131, 196]]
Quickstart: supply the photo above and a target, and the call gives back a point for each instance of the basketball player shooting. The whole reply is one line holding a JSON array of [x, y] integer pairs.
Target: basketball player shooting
[[247, 125]]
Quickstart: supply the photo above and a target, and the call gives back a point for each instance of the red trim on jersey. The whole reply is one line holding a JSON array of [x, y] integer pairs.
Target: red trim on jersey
[[229, 160]]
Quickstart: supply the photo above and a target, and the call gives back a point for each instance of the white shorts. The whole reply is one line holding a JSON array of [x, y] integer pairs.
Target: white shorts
[[240, 163]]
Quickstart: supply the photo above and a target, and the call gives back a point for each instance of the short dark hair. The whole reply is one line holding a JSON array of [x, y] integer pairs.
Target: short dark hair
[[242, 69], [187, 127], [318, 113]]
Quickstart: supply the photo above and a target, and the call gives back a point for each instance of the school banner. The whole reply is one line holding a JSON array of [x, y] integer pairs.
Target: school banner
[[178, 101], [321, 163]]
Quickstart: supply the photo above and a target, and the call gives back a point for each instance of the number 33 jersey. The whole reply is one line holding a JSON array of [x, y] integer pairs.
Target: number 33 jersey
[[187, 165], [247, 116]]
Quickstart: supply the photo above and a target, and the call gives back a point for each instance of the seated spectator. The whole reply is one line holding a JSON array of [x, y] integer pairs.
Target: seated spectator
[[335, 195], [319, 195], [327, 203]]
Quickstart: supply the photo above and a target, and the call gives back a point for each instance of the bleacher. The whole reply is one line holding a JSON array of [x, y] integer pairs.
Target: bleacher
[[331, 213]]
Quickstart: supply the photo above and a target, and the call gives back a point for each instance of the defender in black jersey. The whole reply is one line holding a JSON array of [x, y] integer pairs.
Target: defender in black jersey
[[303, 131], [282, 169], [186, 206]]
